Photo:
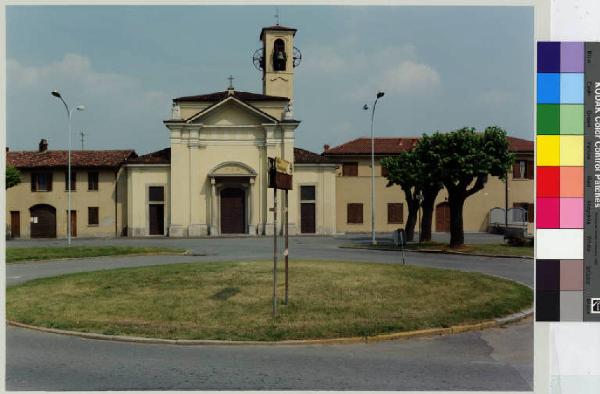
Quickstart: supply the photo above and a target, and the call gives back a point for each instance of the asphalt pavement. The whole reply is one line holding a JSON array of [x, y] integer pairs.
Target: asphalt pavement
[[493, 359]]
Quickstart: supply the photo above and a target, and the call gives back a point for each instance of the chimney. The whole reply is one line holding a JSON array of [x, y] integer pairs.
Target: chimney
[[43, 147], [7, 149], [326, 147]]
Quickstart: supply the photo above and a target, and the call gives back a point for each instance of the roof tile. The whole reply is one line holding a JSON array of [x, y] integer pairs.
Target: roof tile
[[59, 158]]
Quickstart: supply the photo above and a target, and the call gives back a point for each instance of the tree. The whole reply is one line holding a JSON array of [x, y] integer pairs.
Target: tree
[[429, 180], [402, 171], [13, 177], [465, 159]]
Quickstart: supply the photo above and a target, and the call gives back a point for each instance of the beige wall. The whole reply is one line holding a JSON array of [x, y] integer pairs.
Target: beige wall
[[139, 179], [357, 189], [21, 198], [323, 178]]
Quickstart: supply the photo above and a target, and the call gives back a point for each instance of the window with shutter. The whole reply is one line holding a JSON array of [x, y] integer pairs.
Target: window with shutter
[[73, 180], [93, 180], [41, 182], [384, 172], [350, 169], [93, 216], [355, 213], [395, 213], [529, 170]]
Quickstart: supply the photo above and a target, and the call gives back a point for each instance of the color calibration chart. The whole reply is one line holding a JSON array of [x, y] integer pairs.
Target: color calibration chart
[[568, 181]]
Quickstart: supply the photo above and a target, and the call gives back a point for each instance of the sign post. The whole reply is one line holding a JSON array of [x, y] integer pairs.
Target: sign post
[[280, 177]]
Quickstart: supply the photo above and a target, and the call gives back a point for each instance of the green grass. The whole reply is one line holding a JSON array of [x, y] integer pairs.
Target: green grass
[[232, 301], [486, 249], [49, 253]]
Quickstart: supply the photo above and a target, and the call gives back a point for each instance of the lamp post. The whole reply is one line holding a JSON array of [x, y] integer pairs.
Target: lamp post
[[55, 93], [366, 107]]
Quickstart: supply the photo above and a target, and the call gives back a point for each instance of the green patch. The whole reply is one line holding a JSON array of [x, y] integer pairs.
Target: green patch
[[232, 301], [14, 255]]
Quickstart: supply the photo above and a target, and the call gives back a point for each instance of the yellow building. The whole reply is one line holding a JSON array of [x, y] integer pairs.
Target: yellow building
[[37, 207], [353, 189]]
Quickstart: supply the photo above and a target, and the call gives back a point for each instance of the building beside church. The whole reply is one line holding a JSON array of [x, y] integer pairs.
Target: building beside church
[[212, 180]]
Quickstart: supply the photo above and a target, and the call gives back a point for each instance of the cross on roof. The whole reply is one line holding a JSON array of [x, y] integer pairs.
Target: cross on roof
[[277, 15], [231, 78]]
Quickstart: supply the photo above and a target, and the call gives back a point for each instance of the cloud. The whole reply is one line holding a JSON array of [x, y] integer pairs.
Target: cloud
[[396, 70], [497, 97], [121, 110]]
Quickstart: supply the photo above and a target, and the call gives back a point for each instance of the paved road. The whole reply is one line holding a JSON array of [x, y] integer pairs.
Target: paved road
[[495, 359]]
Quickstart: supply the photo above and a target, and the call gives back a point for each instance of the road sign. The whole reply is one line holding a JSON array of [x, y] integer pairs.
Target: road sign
[[280, 174]]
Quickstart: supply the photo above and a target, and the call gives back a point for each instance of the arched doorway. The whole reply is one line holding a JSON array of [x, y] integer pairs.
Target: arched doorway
[[43, 221], [233, 211], [442, 217]]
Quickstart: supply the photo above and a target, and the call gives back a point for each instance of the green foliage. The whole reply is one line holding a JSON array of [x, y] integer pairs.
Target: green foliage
[[402, 169], [13, 177], [463, 155]]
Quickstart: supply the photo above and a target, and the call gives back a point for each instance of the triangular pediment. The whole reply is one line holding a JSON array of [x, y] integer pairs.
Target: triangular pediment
[[231, 112]]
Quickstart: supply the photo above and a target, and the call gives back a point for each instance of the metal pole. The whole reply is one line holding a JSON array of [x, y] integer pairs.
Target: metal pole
[[373, 240], [69, 185], [506, 204], [286, 253], [274, 253]]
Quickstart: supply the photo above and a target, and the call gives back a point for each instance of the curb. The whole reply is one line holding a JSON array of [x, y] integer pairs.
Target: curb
[[429, 332], [439, 251], [184, 253]]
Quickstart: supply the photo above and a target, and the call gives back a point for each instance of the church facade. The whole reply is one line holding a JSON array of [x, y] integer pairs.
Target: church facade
[[213, 178]]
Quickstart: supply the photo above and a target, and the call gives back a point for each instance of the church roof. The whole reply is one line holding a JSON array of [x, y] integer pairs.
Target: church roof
[[395, 145], [277, 27], [60, 158], [303, 156], [162, 156], [218, 96]]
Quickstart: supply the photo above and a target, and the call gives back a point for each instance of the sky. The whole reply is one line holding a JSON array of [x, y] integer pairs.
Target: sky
[[441, 68]]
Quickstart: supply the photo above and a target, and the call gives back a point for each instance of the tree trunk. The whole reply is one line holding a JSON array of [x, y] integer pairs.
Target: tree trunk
[[457, 233], [429, 197], [411, 220], [413, 207]]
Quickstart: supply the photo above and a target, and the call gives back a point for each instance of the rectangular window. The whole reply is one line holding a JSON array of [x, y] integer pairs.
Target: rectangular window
[[41, 181], [93, 180], [73, 180], [395, 212], [93, 216], [523, 169], [307, 193], [350, 169], [156, 193], [355, 213]]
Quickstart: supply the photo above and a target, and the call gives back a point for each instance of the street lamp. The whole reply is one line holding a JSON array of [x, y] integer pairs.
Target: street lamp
[[55, 93], [366, 107]]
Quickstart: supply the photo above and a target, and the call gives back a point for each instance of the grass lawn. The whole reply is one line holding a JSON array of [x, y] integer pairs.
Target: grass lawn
[[490, 249], [48, 253], [233, 300]]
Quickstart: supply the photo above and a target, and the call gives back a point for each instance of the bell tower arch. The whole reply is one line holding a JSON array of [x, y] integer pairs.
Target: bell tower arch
[[279, 59]]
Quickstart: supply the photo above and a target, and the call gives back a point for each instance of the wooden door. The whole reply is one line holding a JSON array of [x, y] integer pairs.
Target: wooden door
[[43, 221], [233, 211], [442, 217], [157, 219], [307, 218], [73, 223], [15, 224]]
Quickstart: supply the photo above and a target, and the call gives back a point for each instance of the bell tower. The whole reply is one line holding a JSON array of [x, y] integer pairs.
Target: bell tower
[[279, 57]]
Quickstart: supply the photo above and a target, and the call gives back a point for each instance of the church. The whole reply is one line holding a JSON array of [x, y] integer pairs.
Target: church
[[213, 179]]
